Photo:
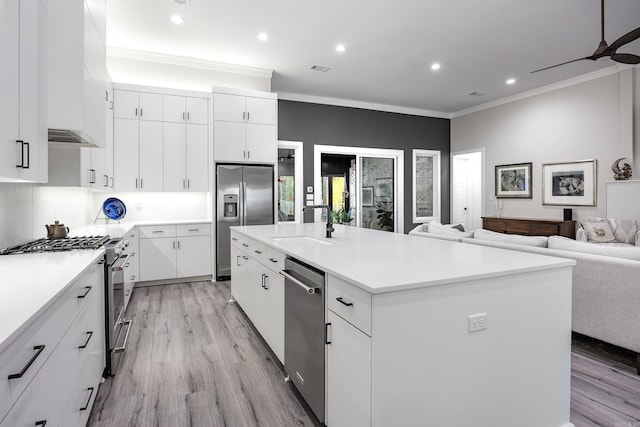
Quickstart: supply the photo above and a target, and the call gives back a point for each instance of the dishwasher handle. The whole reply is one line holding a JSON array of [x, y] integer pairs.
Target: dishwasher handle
[[287, 275]]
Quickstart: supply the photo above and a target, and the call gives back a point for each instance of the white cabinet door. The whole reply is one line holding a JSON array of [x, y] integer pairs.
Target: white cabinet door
[[229, 141], [261, 111], [150, 106], [275, 313], [157, 259], [194, 256], [151, 149], [230, 108], [9, 87], [239, 276], [262, 145], [174, 109], [108, 145], [197, 152], [125, 155], [125, 104], [174, 157], [348, 375], [197, 110]]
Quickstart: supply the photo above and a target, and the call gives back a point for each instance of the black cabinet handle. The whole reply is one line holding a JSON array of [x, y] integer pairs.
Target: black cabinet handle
[[88, 288], [26, 166], [326, 333], [86, 405], [245, 245], [39, 349], [41, 423], [348, 304], [90, 333], [258, 252]]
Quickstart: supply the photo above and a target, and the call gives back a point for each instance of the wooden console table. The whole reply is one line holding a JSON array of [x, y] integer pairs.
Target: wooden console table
[[530, 227]]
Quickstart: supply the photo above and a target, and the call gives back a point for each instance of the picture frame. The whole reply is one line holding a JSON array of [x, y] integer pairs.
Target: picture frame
[[570, 184], [367, 196], [426, 185], [514, 181]]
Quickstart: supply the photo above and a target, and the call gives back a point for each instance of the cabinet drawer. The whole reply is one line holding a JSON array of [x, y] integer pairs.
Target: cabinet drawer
[[194, 230], [349, 302], [81, 292], [258, 251], [275, 259], [26, 356], [153, 231]]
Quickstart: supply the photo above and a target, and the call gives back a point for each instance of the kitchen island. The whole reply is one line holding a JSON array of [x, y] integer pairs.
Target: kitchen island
[[433, 333]]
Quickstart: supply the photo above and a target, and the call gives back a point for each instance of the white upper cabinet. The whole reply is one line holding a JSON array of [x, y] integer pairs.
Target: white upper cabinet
[[23, 115], [128, 104], [184, 109], [245, 127]]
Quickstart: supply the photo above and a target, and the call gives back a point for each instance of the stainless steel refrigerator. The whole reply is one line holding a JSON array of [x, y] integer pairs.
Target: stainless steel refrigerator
[[244, 196]]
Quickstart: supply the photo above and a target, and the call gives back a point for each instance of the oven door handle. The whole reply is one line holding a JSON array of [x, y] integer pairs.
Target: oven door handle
[[123, 347], [122, 264]]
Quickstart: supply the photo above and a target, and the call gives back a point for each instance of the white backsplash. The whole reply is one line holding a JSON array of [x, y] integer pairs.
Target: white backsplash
[[26, 208], [161, 206]]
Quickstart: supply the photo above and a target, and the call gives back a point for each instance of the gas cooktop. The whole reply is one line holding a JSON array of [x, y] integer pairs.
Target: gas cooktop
[[57, 245]]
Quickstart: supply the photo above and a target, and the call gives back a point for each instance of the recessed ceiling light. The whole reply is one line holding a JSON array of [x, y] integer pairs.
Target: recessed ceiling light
[[435, 66], [177, 19], [511, 81], [263, 37], [341, 48]]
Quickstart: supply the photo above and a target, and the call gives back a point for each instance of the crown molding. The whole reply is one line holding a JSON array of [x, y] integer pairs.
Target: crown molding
[[140, 55], [360, 104], [544, 89]]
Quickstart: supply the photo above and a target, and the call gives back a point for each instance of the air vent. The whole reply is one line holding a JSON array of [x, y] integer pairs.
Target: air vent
[[320, 68], [183, 2], [476, 93]]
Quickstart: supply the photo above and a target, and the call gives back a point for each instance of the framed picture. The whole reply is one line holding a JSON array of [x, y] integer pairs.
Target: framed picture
[[367, 196], [513, 181], [569, 184], [426, 185]]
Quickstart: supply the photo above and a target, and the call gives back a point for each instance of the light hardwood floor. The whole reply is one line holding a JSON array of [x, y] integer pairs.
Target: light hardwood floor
[[194, 360]]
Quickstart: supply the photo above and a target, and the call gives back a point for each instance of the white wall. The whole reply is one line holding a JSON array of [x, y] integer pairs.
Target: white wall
[[583, 121], [151, 73], [26, 208]]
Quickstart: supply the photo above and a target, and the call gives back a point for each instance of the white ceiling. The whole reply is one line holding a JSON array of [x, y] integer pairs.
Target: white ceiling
[[391, 44]]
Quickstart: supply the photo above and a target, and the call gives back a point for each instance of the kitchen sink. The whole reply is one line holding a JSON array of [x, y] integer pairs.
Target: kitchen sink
[[302, 239]]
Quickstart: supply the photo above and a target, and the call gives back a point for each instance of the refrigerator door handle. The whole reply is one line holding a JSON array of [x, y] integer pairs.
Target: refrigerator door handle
[[243, 185]]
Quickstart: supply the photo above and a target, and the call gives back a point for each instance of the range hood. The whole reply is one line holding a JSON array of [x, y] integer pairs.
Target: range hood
[[66, 136]]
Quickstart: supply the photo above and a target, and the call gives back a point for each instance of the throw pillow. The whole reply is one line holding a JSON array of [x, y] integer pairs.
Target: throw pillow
[[458, 227], [598, 231], [516, 239], [624, 230]]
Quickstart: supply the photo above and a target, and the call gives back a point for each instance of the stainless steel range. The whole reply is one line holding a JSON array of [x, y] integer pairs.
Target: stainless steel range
[[116, 258]]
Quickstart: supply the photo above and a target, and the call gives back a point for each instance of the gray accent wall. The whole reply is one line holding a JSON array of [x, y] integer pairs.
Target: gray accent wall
[[355, 127]]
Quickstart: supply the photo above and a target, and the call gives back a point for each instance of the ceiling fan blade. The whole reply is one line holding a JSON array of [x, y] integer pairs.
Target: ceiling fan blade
[[627, 38], [563, 63], [626, 58]]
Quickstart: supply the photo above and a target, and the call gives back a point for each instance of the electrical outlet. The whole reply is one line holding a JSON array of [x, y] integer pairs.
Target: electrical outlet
[[477, 322]]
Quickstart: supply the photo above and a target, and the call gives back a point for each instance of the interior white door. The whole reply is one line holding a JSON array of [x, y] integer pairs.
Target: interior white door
[[460, 208]]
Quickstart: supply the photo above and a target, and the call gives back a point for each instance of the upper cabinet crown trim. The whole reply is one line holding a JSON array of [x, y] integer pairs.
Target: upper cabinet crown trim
[[161, 90], [244, 92]]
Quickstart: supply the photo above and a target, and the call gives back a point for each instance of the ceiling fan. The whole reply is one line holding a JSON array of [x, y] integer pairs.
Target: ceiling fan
[[604, 50]]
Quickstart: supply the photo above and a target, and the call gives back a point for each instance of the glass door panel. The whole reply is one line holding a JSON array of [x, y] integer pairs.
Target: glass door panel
[[377, 193]]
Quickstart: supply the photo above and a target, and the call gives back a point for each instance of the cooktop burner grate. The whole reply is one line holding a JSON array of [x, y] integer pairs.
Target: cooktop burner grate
[[57, 245]]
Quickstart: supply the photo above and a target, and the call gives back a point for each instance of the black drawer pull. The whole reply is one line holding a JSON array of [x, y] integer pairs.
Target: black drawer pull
[[258, 252], [41, 423], [90, 333], [245, 245], [273, 260], [348, 304], [40, 349], [88, 288], [86, 405]]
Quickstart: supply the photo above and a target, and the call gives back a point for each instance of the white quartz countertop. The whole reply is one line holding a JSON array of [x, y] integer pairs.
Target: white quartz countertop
[[119, 229], [379, 261], [31, 282]]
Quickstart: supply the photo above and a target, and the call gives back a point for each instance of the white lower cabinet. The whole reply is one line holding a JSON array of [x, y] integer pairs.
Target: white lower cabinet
[[259, 290], [62, 350], [174, 251], [348, 375]]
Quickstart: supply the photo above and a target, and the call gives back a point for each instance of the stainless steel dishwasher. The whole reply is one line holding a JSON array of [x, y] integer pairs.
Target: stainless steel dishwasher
[[304, 331]]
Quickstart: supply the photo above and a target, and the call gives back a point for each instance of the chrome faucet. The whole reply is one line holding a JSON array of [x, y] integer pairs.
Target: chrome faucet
[[329, 223]]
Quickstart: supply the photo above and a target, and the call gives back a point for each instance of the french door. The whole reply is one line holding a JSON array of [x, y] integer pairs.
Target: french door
[[376, 186]]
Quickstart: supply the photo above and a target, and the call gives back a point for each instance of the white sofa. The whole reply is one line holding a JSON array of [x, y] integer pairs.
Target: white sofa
[[606, 281]]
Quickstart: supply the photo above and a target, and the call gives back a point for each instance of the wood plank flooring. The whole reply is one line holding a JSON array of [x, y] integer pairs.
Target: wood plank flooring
[[194, 360]]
